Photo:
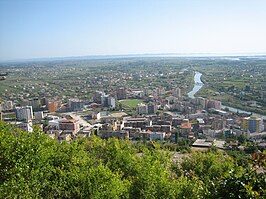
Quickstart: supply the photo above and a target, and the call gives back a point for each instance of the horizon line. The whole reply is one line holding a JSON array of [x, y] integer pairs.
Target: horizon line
[[133, 55]]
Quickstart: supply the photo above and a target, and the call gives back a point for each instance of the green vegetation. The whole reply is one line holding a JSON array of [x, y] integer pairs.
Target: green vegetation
[[235, 83], [131, 103], [33, 165]]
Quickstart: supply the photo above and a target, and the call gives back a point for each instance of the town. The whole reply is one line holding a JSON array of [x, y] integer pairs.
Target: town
[[136, 99]]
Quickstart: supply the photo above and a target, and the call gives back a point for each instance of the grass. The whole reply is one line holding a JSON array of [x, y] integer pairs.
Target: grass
[[131, 103]]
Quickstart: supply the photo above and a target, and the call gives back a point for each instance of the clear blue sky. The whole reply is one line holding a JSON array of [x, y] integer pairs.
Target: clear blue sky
[[55, 28]]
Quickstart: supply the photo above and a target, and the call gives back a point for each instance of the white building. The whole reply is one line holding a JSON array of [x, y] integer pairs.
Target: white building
[[54, 123], [24, 113], [26, 126], [142, 109], [111, 102], [102, 114]]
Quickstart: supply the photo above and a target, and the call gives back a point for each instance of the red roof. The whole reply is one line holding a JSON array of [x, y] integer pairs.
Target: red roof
[[185, 126]]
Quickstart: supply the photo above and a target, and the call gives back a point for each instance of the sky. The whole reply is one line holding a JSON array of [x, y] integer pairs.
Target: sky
[[61, 28]]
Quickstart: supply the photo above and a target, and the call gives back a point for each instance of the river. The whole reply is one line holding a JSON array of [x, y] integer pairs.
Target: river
[[198, 85]]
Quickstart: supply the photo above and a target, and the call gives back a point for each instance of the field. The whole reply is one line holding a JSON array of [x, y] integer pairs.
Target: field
[[131, 103]]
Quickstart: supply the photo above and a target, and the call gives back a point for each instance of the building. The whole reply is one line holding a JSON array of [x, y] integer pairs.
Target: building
[[69, 125], [26, 126], [137, 122], [111, 102], [142, 109], [108, 101], [157, 136], [151, 108], [35, 103], [53, 106], [209, 142], [185, 129], [75, 104], [97, 97], [105, 134], [176, 92], [201, 101], [121, 93], [38, 115], [24, 113], [6, 105], [214, 104], [252, 124]]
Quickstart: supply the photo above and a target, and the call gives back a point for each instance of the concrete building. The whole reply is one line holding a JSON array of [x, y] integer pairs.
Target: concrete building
[[209, 142], [35, 103], [116, 134], [6, 106], [214, 104], [26, 126], [24, 113], [157, 136], [201, 101], [137, 94], [142, 109], [151, 108], [121, 93], [252, 124], [69, 125], [108, 101], [38, 115], [185, 129], [176, 92], [75, 104], [97, 97], [53, 106], [111, 102], [137, 122]]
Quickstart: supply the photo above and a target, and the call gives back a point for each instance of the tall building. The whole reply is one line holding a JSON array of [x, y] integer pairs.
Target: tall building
[[121, 93], [43, 101], [75, 104], [24, 113], [201, 101], [35, 103], [214, 104], [152, 108], [176, 92], [142, 109], [108, 101], [97, 97], [53, 106], [252, 124], [111, 102]]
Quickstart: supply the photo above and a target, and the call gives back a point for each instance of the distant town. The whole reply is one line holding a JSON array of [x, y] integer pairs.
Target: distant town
[[139, 99]]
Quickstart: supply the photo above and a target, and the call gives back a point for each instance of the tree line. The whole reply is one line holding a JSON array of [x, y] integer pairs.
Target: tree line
[[32, 165]]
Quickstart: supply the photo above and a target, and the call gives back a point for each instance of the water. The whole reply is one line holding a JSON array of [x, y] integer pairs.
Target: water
[[197, 85]]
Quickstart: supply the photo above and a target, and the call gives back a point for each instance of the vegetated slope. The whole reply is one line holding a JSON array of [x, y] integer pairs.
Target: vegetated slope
[[32, 165]]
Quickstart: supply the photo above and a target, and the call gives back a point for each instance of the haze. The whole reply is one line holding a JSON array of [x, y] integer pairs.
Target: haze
[[38, 29]]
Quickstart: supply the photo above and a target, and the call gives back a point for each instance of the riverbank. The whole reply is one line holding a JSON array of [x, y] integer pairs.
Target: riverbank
[[199, 83]]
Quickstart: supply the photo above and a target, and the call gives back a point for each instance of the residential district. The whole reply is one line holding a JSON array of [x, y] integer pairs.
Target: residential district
[[137, 115]]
